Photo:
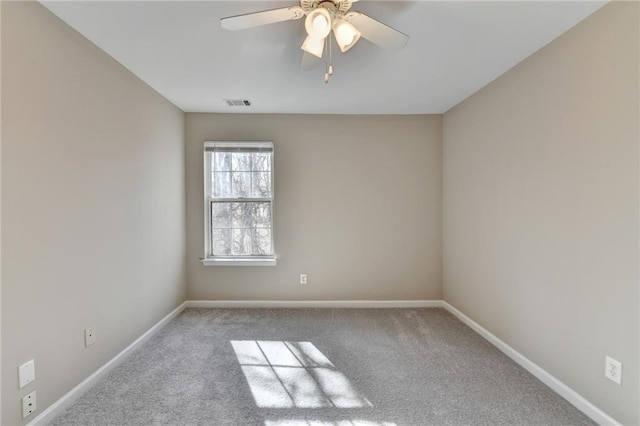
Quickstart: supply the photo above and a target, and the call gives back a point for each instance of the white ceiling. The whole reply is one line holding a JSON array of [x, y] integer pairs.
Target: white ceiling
[[456, 48]]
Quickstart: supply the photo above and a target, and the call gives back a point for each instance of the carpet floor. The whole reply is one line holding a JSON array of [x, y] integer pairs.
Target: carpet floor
[[319, 367]]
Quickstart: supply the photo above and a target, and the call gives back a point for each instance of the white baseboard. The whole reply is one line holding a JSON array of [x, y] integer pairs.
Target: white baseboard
[[70, 397], [314, 303], [563, 390]]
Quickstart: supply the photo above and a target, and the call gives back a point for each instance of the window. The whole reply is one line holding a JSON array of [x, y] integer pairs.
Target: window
[[238, 203]]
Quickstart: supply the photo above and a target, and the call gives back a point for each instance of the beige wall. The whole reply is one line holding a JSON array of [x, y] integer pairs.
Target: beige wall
[[357, 208], [541, 212], [92, 205], [0, 219]]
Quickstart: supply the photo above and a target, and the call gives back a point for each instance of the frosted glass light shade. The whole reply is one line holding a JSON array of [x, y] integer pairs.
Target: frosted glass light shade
[[346, 34], [313, 46], [318, 23]]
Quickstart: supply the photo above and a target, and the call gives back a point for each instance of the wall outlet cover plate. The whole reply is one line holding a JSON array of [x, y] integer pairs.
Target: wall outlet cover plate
[[613, 370], [28, 404]]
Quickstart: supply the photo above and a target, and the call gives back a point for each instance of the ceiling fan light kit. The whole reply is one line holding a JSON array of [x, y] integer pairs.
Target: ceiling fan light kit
[[314, 46], [318, 23], [346, 34], [322, 16]]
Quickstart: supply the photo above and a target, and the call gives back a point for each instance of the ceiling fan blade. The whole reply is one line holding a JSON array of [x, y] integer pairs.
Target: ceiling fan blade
[[377, 32], [308, 61], [250, 20]]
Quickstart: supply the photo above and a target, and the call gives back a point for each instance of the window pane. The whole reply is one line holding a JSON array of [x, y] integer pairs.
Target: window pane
[[241, 215], [251, 215], [221, 242], [262, 215], [241, 185], [221, 183], [242, 242], [241, 161], [261, 162], [221, 161], [263, 241], [221, 215], [261, 184]]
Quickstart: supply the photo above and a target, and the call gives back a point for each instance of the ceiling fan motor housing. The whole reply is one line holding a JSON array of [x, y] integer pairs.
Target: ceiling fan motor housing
[[336, 6]]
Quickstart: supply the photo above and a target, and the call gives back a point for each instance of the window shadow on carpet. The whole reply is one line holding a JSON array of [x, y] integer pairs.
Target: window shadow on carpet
[[305, 422], [294, 375]]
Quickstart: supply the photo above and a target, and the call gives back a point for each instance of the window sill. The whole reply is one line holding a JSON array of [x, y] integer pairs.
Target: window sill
[[238, 262]]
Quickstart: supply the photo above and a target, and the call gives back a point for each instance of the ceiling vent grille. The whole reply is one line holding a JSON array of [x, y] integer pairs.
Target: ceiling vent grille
[[238, 102]]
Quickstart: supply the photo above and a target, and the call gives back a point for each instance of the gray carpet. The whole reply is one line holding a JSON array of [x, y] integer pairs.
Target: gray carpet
[[319, 367]]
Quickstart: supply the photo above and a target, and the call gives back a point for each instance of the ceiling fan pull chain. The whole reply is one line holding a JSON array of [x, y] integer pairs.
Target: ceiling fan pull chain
[[326, 74], [330, 70]]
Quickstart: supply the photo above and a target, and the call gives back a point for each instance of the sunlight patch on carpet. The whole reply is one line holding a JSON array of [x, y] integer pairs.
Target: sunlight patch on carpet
[[294, 375], [296, 422]]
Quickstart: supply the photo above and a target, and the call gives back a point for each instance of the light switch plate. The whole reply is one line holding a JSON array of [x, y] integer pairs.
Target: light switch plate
[[26, 373]]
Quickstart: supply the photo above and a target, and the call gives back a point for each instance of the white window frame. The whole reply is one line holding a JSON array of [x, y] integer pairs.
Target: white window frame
[[234, 260]]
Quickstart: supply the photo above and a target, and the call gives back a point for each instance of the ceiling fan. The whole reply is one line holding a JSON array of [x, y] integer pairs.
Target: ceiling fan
[[323, 16]]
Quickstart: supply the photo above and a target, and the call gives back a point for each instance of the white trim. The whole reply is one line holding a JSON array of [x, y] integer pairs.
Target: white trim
[[314, 303], [556, 385], [238, 262], [267, 145], [70, 397]]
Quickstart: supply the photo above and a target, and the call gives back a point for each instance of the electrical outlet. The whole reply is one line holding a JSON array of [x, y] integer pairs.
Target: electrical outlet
[[303, 278], [26, 373], [613, 370], [89, 337], [28, 404]]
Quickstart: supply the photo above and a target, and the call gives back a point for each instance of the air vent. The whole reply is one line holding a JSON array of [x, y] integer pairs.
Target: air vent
[[238, 102]]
